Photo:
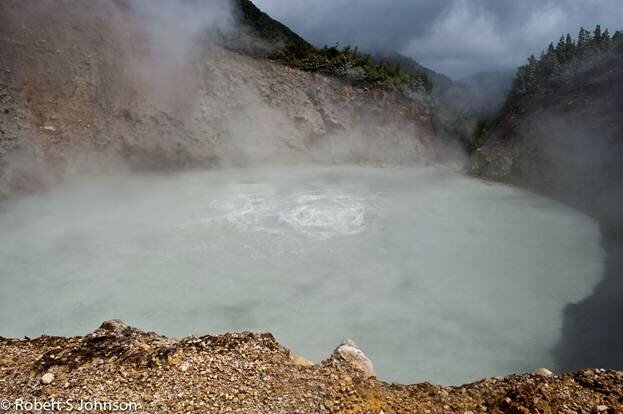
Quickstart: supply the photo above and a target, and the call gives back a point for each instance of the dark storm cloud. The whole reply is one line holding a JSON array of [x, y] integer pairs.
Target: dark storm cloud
[[457, 37]]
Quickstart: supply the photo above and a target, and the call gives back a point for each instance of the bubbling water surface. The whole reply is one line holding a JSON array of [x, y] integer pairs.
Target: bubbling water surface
[[436, 276]]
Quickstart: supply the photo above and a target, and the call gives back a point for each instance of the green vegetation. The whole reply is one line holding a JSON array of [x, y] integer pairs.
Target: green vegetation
[[559, 63], [346, 62], [556, 67], [350, 63]]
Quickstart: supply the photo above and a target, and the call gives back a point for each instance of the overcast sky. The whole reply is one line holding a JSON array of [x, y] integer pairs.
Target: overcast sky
[[455, 37]]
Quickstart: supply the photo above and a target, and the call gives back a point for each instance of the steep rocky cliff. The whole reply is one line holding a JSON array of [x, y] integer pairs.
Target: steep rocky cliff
[[89, 86], [568, 144]]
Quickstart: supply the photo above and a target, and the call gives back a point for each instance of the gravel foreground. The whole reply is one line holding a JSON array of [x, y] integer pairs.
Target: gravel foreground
[[118, 368]]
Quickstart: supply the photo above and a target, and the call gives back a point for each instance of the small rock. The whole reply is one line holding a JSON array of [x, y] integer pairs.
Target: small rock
[[351, 353], [185, 366], [601, 408], [47, 378], [543, 372]]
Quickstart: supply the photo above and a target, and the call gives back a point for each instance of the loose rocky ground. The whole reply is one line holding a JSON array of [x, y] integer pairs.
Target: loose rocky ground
[[252, 373]]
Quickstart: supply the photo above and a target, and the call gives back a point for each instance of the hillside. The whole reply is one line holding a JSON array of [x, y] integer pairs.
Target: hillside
[[565, 139], [265, 27], [280, 44], [89, 87], [566, 142], [439, 81]]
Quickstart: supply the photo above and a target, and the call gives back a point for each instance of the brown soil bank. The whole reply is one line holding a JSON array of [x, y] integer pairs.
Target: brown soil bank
[[119, 366]]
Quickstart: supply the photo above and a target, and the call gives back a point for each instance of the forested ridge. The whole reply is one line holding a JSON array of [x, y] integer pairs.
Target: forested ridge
[[347, 62], [556, 68], [559, 63]]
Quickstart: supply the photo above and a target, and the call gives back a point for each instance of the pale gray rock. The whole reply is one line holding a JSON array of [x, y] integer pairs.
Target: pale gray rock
[[47, 378], [543, 372], [351, 353]]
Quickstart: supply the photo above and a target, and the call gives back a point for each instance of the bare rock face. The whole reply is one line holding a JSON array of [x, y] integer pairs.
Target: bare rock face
[[352, 354], [67, 110]]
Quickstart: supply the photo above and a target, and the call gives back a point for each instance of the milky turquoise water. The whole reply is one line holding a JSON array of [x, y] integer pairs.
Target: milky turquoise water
[[436, 276]]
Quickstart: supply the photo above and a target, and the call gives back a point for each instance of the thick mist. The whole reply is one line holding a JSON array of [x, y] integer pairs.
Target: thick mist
[[438, 277], [178, 34], [578, 160]]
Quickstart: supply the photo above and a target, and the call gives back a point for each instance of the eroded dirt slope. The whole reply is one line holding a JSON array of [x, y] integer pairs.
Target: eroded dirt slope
[[86, 86]]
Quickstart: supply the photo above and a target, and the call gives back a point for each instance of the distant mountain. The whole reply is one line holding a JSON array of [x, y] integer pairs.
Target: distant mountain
[[492, 83], [440, 81], [459, 105]]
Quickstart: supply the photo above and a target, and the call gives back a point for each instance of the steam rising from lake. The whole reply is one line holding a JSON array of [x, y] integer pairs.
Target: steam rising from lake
[[436, 276]]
